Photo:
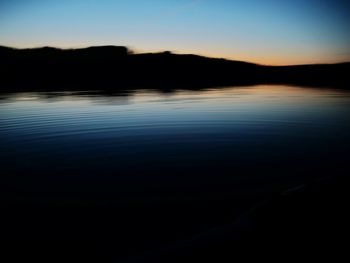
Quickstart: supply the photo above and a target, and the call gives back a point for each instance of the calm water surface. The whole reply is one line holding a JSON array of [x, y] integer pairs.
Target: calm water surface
[[146, 144], [111, 176]]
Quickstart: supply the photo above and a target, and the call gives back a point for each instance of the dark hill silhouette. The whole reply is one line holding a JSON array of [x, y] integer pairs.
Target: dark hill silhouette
[[115, 67]]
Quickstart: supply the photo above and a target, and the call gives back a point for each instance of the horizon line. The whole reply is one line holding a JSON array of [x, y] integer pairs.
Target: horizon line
[[138, 52]]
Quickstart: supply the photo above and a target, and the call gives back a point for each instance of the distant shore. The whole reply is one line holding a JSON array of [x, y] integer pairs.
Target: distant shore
[[116, 68]]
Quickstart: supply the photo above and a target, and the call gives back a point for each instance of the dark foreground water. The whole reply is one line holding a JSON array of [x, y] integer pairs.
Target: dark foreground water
[[145, 168]]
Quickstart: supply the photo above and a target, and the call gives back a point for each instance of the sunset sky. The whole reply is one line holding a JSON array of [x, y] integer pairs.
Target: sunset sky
[[267, 32]]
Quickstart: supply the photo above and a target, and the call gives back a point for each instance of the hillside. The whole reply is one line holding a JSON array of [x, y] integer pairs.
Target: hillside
[[113, 67]]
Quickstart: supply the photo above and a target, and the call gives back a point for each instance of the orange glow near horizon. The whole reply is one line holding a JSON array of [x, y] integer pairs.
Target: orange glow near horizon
[[262, 59]]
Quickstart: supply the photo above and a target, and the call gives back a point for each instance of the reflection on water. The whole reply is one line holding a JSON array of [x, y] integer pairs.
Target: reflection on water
[[180, 144]]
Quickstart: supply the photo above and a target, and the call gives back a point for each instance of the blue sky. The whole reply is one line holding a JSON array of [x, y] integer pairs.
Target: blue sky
[[267, 32]]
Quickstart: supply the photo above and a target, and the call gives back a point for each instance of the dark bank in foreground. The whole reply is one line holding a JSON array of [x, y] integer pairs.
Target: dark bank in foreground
[[115, 67]]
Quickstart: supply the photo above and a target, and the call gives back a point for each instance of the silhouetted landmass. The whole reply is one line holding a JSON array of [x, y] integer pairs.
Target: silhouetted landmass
[[114, 67]]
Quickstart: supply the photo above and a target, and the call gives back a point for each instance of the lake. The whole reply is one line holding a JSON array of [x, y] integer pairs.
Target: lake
[[188, 158]]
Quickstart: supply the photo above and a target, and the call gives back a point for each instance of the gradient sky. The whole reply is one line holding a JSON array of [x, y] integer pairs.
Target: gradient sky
[[262, 31]]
